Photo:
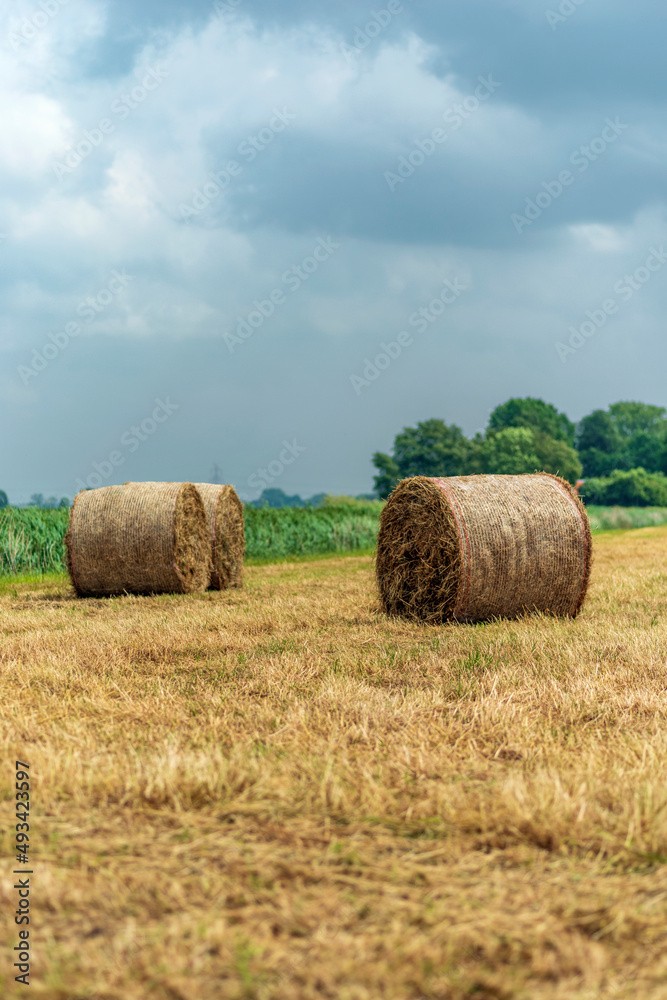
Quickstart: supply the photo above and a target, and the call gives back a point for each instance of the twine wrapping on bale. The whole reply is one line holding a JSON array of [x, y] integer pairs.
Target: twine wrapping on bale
[[224, 513], [140, 538], [471, 548]]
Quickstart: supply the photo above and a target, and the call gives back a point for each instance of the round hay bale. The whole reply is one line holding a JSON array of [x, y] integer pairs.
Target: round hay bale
[[140, 538], [471, 548], [224, 513]]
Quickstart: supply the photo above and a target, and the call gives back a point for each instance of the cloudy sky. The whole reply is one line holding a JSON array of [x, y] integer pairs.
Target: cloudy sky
[[270, 235]]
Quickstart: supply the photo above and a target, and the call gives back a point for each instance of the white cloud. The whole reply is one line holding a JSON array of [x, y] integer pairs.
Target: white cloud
[[598, 237], [32, 125]]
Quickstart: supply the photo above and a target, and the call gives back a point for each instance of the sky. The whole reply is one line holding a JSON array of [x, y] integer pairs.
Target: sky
[[268, 236]]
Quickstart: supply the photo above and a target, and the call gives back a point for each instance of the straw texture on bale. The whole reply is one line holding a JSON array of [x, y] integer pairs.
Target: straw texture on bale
[[472, 548], [224, 513], [140, 538]]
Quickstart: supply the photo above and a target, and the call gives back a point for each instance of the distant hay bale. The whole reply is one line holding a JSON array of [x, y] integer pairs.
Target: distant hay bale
[[224, 513], [471, 548], [140, 538]]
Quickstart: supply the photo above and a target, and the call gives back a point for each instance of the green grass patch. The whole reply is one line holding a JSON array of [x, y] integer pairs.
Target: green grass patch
[[14, 585], [32, 540], [274, 534], [306, 557], [615, 518]]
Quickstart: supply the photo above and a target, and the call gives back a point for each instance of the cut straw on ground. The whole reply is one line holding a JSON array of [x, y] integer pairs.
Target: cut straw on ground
[[279, 792]]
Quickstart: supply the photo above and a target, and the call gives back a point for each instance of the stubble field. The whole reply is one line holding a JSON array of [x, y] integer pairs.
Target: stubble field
[[280, 793]]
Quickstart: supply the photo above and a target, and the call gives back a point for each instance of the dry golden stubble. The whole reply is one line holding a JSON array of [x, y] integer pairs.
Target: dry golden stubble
[[279, 792]]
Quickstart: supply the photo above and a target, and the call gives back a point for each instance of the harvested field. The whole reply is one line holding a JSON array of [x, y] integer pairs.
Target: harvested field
[[278, 792]]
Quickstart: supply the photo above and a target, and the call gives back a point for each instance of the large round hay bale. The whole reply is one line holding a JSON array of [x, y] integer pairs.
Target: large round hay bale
[[470, 548], [224, 513], [140, 538]]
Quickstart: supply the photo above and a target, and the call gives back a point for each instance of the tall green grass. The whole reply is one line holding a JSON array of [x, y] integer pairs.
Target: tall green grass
[[609, 518], [294, 531], [31, 540]]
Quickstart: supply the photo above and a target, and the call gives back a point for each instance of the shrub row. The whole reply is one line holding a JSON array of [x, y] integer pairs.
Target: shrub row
[[632, 488]]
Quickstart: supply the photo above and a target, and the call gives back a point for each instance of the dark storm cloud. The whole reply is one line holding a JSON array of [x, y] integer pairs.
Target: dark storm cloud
[[599, 54], [452, 198]]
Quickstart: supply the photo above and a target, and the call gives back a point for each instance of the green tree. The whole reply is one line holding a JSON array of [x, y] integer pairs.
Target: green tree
[[627, 488], [274, 497], [388, 474], [518, 450], [599, 444], [4, 502], [646, 450], [632, 418], [626, 436], [475, 459], [557, 457], [432, 448], [598, 431], [643, 430], [534, 414], [510, 451]]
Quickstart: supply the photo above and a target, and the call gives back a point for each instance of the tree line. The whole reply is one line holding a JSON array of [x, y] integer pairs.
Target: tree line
[[621, 452], [525, 435], [38, 500]]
